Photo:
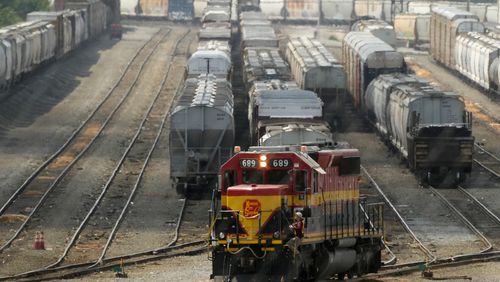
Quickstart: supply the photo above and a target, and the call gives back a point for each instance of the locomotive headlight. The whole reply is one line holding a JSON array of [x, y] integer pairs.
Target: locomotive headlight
[[263, 164], [276, 235], [263, 158], [222, 235]]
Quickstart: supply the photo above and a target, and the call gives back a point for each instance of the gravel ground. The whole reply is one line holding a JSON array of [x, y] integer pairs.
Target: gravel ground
[[65, 208], [22, 151], [38, 115]]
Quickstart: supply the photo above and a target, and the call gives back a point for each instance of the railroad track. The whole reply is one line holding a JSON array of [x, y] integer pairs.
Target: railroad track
[[117, 193], [475, 215], [487, 160], [133, 163], [30, 196]]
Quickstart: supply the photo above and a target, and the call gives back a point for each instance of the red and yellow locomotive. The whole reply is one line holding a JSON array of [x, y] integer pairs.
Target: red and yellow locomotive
[[259, 193]]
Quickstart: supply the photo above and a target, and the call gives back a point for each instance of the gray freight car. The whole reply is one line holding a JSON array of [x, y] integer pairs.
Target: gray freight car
[[213, 57], [379, 28], [281, 105], [413, 28], [313, 66], [96, 15], [216, 14], [365, 57], [446, 24], [430, 128], [215, 31], [477, 57], [261, 64], [64, 31], [258, 36], [201, 131], [23, 47]]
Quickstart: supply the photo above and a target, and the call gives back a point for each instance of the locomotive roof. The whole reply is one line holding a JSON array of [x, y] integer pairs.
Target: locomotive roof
[[311, 53]]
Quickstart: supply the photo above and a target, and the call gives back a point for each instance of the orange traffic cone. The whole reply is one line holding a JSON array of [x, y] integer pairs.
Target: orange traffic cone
[[39, 243]]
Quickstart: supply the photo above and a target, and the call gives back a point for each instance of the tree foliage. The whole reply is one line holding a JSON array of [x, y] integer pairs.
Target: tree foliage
[[13, 11]]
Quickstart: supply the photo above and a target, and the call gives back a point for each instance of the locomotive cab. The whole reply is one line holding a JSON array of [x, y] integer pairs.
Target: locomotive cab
[[259, 192]]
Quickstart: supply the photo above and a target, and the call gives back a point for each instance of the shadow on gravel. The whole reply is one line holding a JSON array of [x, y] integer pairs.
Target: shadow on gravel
[[37, 93]]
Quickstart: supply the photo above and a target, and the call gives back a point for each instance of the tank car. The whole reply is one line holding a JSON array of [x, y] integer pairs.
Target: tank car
[[431, 129], [201, 132], [259, 192], [379, 28], [213, 57], [446, 24], [366, 57]]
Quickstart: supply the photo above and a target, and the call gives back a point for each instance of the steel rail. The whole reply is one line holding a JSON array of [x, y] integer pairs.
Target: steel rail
[[92, 265], [486, 210], [487, 243], [152, 254], [73, 135], [111, 179], [403, 222], [491, 155], [81, 153], [146, 162]]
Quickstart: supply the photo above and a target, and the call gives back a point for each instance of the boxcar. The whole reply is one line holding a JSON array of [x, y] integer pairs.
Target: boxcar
[[446, 24], [379, 28], [366, 57]]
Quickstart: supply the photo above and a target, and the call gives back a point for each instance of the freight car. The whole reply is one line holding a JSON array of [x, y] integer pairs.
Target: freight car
[[413, 28], [293, 110], [261, 64], [181, 10], [446, 24], [201, 132], [258, 36], [366, 57], [213, 57], [431, 129], [379, 28], [314, 68], [201, 121], [477, 57], [46, 36], [23, 47], [260, 191]]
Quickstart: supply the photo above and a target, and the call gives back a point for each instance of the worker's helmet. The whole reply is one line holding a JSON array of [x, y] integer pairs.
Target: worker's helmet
[[298, 215]]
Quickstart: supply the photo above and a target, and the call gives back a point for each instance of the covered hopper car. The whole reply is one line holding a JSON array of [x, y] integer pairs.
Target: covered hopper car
[[431, 129], [201, 132]]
